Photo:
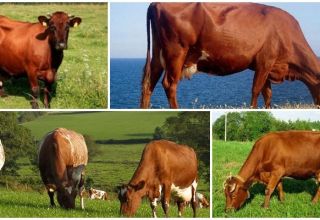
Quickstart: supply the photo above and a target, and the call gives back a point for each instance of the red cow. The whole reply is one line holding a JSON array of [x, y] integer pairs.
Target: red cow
[[222, 39], [34, 50]]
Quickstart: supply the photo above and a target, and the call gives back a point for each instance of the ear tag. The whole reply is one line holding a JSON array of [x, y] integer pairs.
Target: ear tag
[[44, 24], [75, 24]]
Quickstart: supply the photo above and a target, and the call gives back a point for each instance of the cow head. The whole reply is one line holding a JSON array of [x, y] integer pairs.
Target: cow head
[[236, 193], [57, 27], [130, 198], [66, 197]]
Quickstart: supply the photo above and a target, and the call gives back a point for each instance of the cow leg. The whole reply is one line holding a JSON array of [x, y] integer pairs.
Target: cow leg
[[273, 182], [47, 94], [165, 200], [316, 196], [51, 196], [173, 74], [259, 80], [35, 90], [2, 93], [267, 94], [153, 205], [180, 205], [194, 202], [81, 188], [280, 191], [149, 81]]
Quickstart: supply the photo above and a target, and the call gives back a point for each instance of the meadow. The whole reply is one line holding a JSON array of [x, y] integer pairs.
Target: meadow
[[122, 135], [82, 76], [228, 157]]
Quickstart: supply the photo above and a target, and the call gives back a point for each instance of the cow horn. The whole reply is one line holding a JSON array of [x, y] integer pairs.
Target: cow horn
[[49, 15]]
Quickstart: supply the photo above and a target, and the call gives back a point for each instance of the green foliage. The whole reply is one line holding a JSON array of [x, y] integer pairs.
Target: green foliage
[[248, 126], [93, 148], [29, 116], [193, 129], [228, 157], [17, 141]]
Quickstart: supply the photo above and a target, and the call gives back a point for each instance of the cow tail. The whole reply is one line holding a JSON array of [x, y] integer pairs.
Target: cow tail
[[147, 67]]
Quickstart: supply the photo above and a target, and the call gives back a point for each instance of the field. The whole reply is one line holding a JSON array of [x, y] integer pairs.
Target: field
[[229, 157], [82, 76], [123, 134]]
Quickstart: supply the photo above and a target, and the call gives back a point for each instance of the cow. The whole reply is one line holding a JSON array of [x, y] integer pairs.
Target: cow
[[202, 201], [222, 39], [34, 50], [2, 155], [97, 194], [166, 169], [276, 155], [63, 156]]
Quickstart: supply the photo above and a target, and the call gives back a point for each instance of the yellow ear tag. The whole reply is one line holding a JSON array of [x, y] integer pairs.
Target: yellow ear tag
[[75, 24], [44, 24]]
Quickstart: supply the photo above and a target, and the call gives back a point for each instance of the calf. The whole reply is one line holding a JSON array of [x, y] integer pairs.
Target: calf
[[97, 194]]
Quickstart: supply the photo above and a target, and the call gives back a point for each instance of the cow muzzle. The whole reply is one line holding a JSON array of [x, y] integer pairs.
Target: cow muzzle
[[61, 46]]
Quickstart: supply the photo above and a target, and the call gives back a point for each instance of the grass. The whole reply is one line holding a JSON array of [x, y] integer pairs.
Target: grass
[[82, 76], [34, 204], [229, 157], [114, 165]]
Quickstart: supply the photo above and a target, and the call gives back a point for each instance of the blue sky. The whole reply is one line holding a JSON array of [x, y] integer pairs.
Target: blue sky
[[128, 38]]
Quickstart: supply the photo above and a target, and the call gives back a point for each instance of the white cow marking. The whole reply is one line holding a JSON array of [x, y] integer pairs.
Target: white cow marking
[[2, 155], [69, 189]]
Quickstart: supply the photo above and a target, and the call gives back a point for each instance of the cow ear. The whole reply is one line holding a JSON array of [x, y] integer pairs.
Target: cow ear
[[139, 186], [43, 20], [74, 22]]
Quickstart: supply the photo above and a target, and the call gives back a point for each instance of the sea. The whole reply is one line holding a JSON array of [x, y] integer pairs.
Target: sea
[[201, 91]]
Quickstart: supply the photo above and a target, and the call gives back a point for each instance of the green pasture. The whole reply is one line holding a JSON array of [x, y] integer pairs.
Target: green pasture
[[228, 157], [82, 76], [123, 136], [34, 204]]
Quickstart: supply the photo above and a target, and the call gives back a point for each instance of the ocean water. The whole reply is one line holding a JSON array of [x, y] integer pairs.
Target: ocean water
[[202, 91]]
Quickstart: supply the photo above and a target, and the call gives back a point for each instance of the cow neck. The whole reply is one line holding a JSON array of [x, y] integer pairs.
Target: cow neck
[[248, 171], [142, 173]]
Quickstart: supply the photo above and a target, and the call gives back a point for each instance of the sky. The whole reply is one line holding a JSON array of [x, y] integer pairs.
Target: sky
[[285, 114], [128, 37]]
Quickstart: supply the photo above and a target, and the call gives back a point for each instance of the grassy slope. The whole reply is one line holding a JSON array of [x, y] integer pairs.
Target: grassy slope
[[30, 204], [229, 157], [113, 166], [82, 77]]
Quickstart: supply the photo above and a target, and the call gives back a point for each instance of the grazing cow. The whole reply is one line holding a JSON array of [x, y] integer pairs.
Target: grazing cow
[[165, 169], [202, 201], [97, 194], [34, 50], [2, 155], [294, 154], [63, 156], [222, 39]]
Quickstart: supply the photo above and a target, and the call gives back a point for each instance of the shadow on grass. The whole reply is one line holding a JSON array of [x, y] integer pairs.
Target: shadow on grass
[[289, 186], [21, 87]]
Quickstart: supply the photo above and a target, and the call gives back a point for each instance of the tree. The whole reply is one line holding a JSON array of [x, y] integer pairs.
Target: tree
[[193, 129], [93, 148], [17, 141]]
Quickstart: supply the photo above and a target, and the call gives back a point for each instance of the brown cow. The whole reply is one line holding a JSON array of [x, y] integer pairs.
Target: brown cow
[[222, 39], [165, 169], [34, 50], [276, 155], [63, 156]]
